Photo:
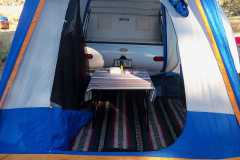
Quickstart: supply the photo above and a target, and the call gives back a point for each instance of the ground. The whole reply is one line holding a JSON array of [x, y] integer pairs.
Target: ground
[[11, 2], [13, 13]]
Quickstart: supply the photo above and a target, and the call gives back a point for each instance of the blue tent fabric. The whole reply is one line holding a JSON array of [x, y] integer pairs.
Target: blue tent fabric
[[39, 129], [46, 130], [23, 26], [213, 14], [180, 6]]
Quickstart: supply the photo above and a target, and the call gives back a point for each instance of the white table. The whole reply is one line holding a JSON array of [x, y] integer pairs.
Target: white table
[[128, 80]]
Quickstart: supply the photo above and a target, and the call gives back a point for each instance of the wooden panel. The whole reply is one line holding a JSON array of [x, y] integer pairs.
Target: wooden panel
[[76, 157]]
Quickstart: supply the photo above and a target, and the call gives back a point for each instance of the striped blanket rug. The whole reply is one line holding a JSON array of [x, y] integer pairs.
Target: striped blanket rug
[[127, 121]]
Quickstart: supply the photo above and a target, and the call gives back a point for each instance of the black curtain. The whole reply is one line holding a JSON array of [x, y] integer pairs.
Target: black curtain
[[71, 71]]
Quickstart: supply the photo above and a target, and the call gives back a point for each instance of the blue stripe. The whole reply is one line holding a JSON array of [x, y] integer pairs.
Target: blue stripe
[[45, 130], [22, 29], [213, 13]]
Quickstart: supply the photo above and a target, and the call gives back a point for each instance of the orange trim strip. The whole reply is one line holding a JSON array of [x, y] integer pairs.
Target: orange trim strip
[[22, 51], [77, 157], [218, 57], [80, 157]]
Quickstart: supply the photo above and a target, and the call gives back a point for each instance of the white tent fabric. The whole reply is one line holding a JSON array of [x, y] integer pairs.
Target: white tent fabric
[[33, 84], [204, 86]]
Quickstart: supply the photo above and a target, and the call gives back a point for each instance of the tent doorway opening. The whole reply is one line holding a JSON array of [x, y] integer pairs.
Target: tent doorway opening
[[123, 120]]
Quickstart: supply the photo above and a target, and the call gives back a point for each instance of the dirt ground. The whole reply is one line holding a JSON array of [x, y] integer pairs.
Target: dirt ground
[[13, 13], [5, 43]]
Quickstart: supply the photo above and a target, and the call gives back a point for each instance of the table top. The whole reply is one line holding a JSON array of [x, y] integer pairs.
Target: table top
[[128, 80]]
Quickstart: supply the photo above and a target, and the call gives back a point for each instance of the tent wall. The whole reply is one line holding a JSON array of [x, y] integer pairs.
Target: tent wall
[[218, 37], [231, 40], [22, 29], [204, 87], [39, 128], [35, 77]]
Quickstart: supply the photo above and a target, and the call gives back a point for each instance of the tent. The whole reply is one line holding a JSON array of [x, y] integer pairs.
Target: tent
[[35, 122]]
